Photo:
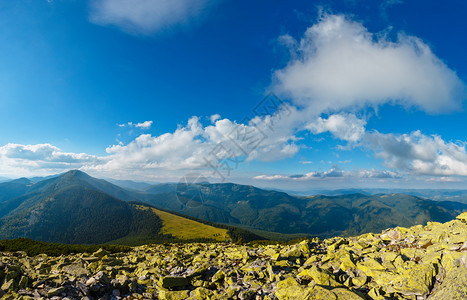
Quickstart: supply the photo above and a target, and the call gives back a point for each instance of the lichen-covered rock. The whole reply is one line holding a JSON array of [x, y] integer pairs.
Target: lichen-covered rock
[[173, 295], [343, 293], [421, 262], [416, 280], [320, 277], [290, 289], [462, 217], [201, 293], [174, 281], [76, 270], [100, 253], [454, 286], [55, 291]]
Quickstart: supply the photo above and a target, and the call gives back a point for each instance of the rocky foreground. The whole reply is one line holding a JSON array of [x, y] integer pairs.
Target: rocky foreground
[[416, 263]]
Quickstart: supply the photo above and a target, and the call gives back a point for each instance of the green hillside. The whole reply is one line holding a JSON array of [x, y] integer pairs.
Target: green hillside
[[76, 208], [71, 215], [186, 229], [322, 216]]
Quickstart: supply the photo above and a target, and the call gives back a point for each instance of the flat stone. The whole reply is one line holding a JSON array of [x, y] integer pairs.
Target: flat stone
[[174, 281], [76, 270]]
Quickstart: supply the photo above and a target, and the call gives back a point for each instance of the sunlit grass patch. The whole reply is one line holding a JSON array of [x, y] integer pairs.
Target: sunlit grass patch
[[187, 229]]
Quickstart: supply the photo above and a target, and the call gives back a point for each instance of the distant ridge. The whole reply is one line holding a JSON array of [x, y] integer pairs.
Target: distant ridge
[[23, 202], [319, 215], [77, 208]]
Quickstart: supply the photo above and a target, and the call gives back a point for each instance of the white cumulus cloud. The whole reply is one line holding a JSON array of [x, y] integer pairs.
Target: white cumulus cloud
[[144, 125], [417, 153], [344, 126], [338, 64], [214, 118], [189, 147], [195, 146], [40, 159]]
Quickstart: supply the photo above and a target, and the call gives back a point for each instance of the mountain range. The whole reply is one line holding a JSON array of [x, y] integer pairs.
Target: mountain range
[[76, 208], [457, 195], [319, 215]]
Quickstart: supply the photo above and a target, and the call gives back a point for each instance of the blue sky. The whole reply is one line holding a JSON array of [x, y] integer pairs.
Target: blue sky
[[369, 93]]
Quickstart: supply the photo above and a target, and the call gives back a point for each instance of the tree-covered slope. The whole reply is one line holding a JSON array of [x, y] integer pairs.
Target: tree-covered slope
[[70, 215], [322, 216], [76, 208]]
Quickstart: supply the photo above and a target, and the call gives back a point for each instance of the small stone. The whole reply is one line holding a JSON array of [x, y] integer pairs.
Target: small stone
[[55, 291], [91, 281], [246, 295], [218, 276], [360, 280], [8, 285], [392, 235], [102, 277], [321, 277], [100, 253]]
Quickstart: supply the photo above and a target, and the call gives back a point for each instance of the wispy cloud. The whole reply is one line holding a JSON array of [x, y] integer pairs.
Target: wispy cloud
[[334, 172], [143, 125], [444, 179], [146, 16]]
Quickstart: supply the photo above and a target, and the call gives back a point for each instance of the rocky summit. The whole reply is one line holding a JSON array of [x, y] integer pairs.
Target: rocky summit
[[421, 262]]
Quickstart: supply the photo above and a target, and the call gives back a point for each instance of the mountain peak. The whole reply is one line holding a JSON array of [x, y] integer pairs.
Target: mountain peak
[[75, 174], [22, 180]]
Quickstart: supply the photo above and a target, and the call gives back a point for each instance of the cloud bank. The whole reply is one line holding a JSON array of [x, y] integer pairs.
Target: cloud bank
[[339, 65], [334, 172], [197, 146], [146, 16]]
